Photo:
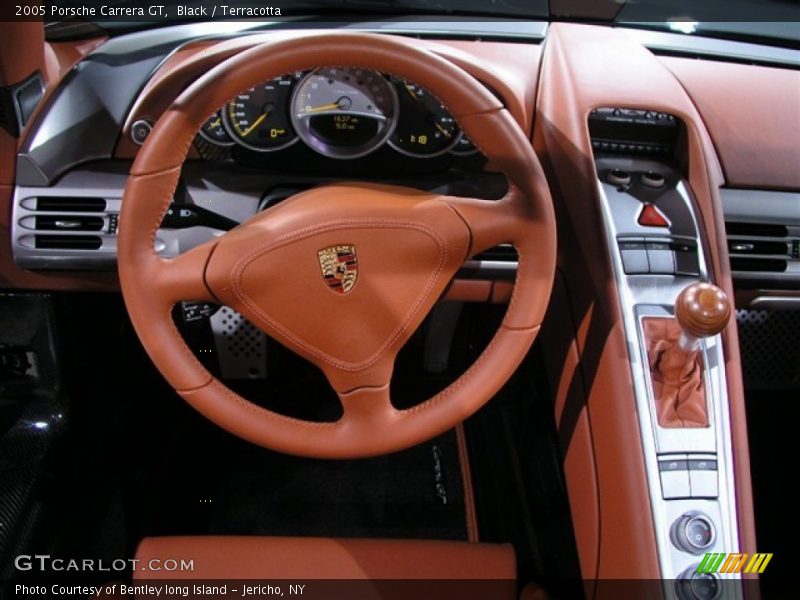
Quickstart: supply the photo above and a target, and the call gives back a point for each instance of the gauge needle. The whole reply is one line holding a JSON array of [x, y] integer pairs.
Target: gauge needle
[[215, 124], [257, 122], [443, 130], [330, 106], [342, 103]]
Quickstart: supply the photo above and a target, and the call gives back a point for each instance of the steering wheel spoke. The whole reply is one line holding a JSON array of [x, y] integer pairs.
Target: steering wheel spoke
[[490, 222], [183, 277], [368, 407]]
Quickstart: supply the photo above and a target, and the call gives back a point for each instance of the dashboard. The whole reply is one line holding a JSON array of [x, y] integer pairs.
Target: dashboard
[[649, 110]]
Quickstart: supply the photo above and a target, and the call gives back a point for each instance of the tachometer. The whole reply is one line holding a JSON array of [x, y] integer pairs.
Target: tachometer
[[424, 127], [258, 118], [343, 112], [213, 131]]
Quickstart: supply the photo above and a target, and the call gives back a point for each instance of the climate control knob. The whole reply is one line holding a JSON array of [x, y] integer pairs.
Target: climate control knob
[[693, 532]]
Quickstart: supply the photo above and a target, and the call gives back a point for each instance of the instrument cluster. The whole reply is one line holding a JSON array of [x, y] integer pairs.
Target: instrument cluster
[[341, 113]]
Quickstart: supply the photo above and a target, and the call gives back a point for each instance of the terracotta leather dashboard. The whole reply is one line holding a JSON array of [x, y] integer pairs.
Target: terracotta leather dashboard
[[753, 116]]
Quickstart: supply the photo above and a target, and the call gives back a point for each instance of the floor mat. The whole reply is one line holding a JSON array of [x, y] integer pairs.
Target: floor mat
[[230, 488]]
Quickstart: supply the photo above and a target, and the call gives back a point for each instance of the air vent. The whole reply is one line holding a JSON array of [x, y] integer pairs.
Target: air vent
[[70, 204], [755, 265], [760, 248], [71, 226], [68, 242], [756, 229], [68, 223]]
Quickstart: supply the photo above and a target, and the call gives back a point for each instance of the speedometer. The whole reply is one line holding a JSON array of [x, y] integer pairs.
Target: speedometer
[[343, 112], [258, 118]]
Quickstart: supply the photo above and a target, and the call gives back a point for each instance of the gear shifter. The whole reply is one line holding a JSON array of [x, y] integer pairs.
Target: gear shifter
[[702, 310], [673, 347]]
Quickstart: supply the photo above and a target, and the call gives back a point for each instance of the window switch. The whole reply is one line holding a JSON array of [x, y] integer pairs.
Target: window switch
[[660, 257], [674, 478], [703, 478], [634, 257]]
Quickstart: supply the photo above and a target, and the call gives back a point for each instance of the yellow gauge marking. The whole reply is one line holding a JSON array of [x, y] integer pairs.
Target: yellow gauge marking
[[257, 122], [411, 91], [442, 129], [215, 124]]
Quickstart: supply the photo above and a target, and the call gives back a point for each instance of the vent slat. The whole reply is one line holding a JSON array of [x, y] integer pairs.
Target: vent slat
[[68, 223], [756, 229], [70, 204], [68, 242], [764, 265]]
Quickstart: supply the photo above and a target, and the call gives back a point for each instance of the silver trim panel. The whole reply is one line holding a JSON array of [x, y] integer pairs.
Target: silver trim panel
[[654, 296]]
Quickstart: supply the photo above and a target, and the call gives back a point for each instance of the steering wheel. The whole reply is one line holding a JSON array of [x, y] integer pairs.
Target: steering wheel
[[394, 249]]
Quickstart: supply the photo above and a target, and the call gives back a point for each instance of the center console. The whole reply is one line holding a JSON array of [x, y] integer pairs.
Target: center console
[[658, 251]]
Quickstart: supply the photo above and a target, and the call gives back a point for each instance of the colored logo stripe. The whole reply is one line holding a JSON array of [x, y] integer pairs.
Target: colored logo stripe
[[723, 562]]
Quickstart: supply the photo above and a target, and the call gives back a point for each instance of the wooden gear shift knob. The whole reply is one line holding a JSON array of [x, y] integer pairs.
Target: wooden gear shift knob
[[702, 310]]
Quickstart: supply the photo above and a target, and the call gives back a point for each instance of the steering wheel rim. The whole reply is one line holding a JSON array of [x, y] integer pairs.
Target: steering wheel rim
[[437, 233]]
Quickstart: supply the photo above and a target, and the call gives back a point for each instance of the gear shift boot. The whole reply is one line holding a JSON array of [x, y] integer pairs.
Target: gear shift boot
[[676, 375]]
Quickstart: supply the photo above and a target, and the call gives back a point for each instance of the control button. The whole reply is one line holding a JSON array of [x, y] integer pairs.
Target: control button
[[652, 217], [703, 478], [691, 585], [660, 257], [619, 177], [634, 257], [686, 262], [693, 532], [653, 179], [674, 478], [139, 131]]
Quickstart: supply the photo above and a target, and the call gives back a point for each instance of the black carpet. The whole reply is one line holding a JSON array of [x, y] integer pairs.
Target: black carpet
[[222, 486]]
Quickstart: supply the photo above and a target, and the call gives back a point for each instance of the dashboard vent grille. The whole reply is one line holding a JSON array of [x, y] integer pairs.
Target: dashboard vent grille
[[70, 228], [70, 204], [760, 247], [68, 242], [68, 223]]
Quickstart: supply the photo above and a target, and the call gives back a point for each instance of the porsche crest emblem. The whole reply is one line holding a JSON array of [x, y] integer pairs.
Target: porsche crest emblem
[[339, 267]]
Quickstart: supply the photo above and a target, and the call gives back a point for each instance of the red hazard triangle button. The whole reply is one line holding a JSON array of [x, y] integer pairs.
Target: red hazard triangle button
[[652, 217]]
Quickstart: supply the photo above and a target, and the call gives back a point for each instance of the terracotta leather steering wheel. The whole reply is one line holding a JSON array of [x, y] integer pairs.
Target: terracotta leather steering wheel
[[408, 245]]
